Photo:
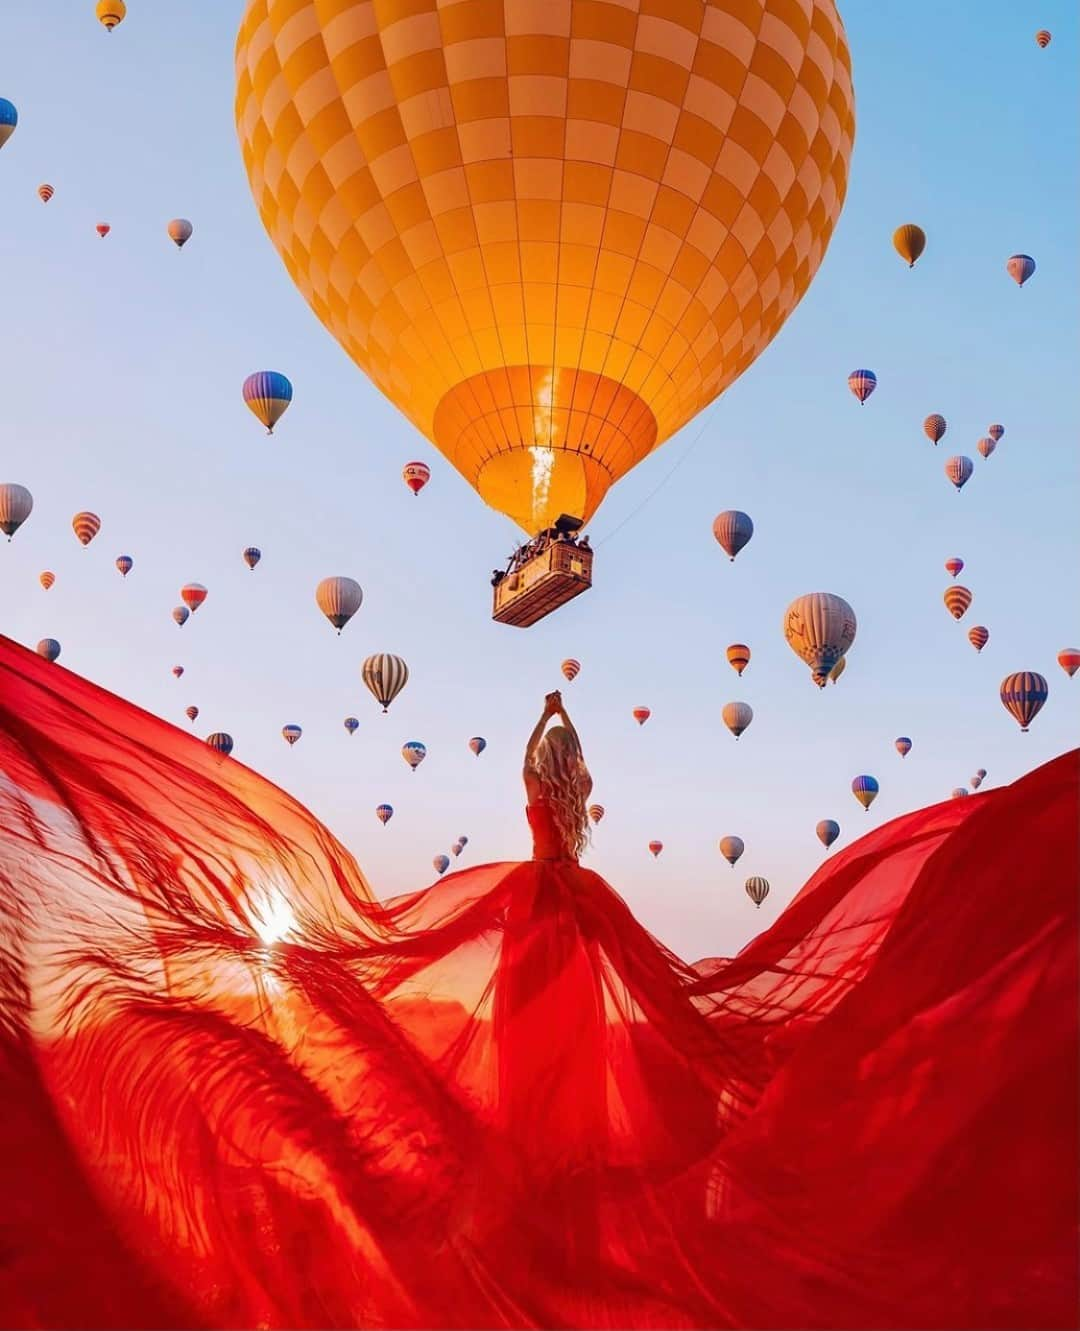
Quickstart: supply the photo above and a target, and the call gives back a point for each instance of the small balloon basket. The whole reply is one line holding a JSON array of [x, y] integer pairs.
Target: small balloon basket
[[541, 584]]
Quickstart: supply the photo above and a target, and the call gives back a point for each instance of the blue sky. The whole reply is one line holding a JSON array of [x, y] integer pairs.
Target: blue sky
[[121, 393]]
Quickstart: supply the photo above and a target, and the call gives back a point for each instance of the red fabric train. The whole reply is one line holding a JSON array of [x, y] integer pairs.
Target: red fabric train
[[237, 1091]]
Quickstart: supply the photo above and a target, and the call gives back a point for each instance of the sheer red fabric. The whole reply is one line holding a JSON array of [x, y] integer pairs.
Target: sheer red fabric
[[236, 1090]]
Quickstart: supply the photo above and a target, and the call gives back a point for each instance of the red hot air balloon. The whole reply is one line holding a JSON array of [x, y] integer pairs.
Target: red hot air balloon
[[85, 526], [570, 668], [1069, 660], [957, 599], [979, 636], [103, 229], [934, 427], [641, 715], [193, 594], [596, 812], [954, 565], [177, 671], [48, 578], [45, 193], [416, 475], [191, 713], [1043, 39], [656, 847]]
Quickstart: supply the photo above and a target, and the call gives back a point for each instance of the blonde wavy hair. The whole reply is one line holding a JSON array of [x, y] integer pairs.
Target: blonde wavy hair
[[565, 784]]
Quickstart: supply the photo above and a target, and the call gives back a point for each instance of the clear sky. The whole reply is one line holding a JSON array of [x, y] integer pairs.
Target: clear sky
[[122, 369]]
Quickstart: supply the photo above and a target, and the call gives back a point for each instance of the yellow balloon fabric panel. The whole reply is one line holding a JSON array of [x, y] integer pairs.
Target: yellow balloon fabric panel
[[550, 231]]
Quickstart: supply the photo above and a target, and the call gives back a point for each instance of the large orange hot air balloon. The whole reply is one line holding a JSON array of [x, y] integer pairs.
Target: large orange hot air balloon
[[550, 232]]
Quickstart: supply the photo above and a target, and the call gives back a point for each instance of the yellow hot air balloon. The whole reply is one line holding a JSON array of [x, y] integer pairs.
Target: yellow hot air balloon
[[110, 13], [550, 231], [909, 241]]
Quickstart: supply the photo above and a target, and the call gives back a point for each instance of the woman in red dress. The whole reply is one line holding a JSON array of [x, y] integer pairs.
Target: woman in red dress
[[236, 1090]]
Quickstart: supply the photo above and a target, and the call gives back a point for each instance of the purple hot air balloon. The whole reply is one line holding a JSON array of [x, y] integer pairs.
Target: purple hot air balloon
[[959, 470], [903, 745], [995, 432], [125, 564], [862, 383], [1020, 267], [934, 427]]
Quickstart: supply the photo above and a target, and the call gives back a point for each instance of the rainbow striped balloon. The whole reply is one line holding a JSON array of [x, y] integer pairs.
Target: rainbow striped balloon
[[862, 383], [268, 394], [865, 789]]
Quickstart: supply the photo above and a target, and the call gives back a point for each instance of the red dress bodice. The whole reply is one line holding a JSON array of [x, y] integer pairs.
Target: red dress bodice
[[547, 843]]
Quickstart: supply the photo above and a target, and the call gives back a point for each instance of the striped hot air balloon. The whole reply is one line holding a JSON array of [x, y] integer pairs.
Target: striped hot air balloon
[[351, 724], [738, 655], [124, 564], [384, 813], [110, 13], [1020, 267], [641, 715], [440, 864], [954, 565], [1069, 660], [732, 530], [732, 847], [49, 648], [979, 636], [414, 753], [570, 668], [181, 614], [85, 526], [865, 789], [827, 831], [862, 383], [290, 734], [45, 193], [180, 231], [737, 716], [16, 505], [1043, 39], [909, 241], [9, 118], [268, 395], [1023, 695], [655, 847], [986, 446], [820, 629], [47, 579], [339, 599], [959, 470], [934, 427], [416, 475], [903, 745], [193, 594], [995, 432], [957, 599], [251, 556], [478, 744], [596, 812], [220, 742], [177, 671], [192, 713], [757, 889], [103, 229], [385, 677]]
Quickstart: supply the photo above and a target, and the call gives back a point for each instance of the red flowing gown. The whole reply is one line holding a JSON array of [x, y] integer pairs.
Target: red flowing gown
[[238, 1091]]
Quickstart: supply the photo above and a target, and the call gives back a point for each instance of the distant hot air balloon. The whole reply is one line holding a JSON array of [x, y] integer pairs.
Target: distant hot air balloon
[[986, 446], [180, 230], [268, 394], [193, 594], [384, 813], [903, 745], [124, 564], [957, 599], [656, 847], [1023, 695], [16, 504], [909, 241], [865, 789], [339, 599], [819, 628], [180, 614], [959, 470], [641, 715], [934, 427], [478, 744], [191, 713], [463, 841], [45, 193], [414, 753], [385, 677], [995, 432], [351, 724], [1043, 39], [545, 382], [9, 118], [290, 734], [49, 648], [596, 812], [1069, 660], [110, 13], [976, 781], [1020, 267], [103, 229], [46, 579], [252, 555], [737, 716], [827, 831], [960, 792], [441, 863], [570, 668], [220, 742], [981, 773], [85, 526], [757, 889], [738, 655], [862, 383], [979, 636], [732, 530], [177, 671], [458, 846], [838, 670], [954, 565], [416, 475], [732, 847]]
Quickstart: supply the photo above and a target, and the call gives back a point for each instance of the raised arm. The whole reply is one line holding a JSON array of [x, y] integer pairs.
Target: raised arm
[[561, 709], [552, 703]]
